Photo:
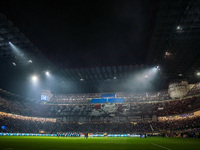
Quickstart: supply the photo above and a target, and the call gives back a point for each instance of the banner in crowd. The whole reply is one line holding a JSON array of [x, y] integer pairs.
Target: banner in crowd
[[116, 100], [98, 100]]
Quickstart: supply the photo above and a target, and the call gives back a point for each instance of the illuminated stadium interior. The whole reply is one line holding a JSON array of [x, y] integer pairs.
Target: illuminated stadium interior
[[110, 69]]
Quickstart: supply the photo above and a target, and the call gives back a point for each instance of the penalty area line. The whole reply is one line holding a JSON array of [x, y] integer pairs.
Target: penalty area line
[[161, 146]]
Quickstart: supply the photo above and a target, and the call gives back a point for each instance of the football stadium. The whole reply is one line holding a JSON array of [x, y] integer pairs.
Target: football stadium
[[103, 74]]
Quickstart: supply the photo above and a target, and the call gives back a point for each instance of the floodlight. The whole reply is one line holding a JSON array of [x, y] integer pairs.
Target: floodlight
[[14, 64], [47, 73], [156, 68], [167, 53], [34, 78]]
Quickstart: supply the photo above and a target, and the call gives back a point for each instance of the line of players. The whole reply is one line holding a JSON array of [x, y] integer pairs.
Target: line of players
[[68, 134]]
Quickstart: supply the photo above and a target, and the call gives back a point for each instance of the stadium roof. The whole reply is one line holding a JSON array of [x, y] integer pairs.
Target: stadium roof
[[175, 40], [100, 45], [10, 33]]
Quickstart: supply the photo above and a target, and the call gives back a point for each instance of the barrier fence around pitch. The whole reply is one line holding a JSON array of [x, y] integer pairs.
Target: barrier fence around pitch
[[55, 135]]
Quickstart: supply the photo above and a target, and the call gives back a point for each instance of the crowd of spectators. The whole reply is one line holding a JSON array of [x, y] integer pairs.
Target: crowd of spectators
[[78, 105], [25, 125], [128, 96], [74, 98], [182, 124], [144, 97], [172, 107], [151, 101], [162, 108], [195, 90], [16, 125], [16, 107]]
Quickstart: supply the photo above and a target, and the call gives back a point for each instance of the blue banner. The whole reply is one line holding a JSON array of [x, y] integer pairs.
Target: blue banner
[[98, 101], [116, 100]]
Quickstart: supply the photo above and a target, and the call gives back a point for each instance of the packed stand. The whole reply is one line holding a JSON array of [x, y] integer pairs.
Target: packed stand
[[149, 109], [144, 97], [182, 124], [129, 97], [15, 107], [14, 123], [165, 108], [195, 90], [34, 125], [74, 98]]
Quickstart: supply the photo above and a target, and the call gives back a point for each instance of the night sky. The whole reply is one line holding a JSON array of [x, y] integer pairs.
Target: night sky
[[83, 33]]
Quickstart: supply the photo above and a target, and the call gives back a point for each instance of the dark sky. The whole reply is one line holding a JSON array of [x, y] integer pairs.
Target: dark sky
[[83, 33]]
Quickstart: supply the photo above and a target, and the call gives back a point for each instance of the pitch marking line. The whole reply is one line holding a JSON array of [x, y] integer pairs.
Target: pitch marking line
[[161, 146]]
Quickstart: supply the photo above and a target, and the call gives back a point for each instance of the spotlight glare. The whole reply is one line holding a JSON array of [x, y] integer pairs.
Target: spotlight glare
[[47, 73], [178, 28], [146, 76], [34, 78], [198, 73], [156, 68], [30, 61], [14, 64]]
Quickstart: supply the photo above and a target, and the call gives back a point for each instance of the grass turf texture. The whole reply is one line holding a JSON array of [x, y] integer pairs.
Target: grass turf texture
[[97, 143]]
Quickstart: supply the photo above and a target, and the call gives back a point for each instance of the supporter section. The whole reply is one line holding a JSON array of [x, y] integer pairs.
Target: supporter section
[[129, 117], [22, 124], [113, 110]]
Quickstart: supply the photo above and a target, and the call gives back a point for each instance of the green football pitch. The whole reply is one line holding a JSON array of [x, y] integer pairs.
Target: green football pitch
[[97, 143]]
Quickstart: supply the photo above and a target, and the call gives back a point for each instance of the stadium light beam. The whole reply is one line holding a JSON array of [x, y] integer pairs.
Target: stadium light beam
[[15, 48], [18, 52]]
